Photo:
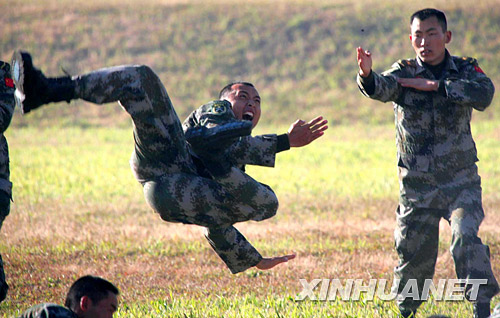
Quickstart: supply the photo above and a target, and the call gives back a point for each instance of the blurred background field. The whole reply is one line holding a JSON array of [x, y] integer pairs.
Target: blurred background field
[[300, 54], [77, 208]]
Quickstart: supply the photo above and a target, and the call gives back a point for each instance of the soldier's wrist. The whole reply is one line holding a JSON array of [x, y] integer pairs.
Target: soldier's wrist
[[283, 143], [364, 74]]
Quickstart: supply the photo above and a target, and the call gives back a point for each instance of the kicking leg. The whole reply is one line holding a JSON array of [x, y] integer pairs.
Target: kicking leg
[[161, 160]]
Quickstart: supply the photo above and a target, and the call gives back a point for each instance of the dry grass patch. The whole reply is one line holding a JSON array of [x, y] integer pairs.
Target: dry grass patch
[[150, 259]]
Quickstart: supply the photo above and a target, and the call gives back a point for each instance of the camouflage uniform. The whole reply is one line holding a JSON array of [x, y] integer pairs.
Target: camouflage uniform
[[48, 311], [258, 150], [163, 164], [437, 171], [7, 104]]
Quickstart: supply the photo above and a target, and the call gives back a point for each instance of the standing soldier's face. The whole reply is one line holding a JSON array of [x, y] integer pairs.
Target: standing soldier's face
[[429, 40], [245, 101]]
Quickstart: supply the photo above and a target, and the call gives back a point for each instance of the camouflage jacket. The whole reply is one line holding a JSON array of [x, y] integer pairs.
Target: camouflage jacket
[[7, 104], [433, 128], [258, 150], [48, 311]]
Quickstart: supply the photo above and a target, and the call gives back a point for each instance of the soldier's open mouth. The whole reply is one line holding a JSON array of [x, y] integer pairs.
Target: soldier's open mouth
[[247, 116]]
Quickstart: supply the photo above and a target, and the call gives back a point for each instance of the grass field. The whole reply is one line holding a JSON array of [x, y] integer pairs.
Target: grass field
[[78, 210]]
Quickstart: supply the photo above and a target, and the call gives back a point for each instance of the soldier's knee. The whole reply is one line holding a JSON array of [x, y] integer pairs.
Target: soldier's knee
[[272, 198], [144, 69], [145, 72], [270, 214], [271, 208]]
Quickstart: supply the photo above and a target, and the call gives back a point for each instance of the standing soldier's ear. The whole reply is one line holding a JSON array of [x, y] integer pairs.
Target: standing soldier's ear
[[448, 36]]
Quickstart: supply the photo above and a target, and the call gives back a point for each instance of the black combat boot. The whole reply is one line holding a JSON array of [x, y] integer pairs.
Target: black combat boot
[[33, 89], [481, 310]]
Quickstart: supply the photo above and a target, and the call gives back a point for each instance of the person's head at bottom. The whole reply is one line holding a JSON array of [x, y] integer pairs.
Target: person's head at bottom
[[92, 296]]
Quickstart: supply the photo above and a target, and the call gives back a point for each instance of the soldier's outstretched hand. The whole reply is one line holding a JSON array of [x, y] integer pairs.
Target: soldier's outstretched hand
[[268, 263], [364, 61], [302, 133]]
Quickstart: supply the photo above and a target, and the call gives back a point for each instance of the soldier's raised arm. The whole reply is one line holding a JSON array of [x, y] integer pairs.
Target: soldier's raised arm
[[364, 62]]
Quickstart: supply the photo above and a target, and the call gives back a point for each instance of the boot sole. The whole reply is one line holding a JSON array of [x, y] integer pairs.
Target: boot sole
[[21, 64]]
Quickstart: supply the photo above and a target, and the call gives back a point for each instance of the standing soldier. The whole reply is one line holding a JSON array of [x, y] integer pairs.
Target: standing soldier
[[6, 111], [434, 95], [215, 192]]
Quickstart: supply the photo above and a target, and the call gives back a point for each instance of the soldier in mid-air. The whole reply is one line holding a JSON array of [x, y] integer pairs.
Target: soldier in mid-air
[[191, 177], [434, 95]]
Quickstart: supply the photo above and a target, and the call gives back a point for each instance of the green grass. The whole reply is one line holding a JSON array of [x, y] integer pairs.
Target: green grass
[[102, 153], [79, 178], [49, 161], [57, 156]]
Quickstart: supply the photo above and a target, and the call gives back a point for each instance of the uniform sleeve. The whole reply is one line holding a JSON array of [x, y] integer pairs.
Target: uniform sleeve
[[473, 89], [283, 143], [7, 102], [383, 87], [258, 150]]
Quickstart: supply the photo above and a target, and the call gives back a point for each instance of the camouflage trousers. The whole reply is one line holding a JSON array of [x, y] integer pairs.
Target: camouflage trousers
[[162, 163], [4, 211], [425, 198]]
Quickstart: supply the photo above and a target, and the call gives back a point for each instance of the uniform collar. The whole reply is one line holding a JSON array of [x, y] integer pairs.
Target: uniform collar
[[449, 66]]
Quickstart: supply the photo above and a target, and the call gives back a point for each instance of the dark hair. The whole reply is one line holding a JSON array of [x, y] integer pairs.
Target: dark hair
[[227, 88], [93, 287], [427, 13]]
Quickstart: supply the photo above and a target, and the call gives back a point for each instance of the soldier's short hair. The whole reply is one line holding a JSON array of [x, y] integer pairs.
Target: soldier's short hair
[[94, 287], [228, 87], [427, 13]]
